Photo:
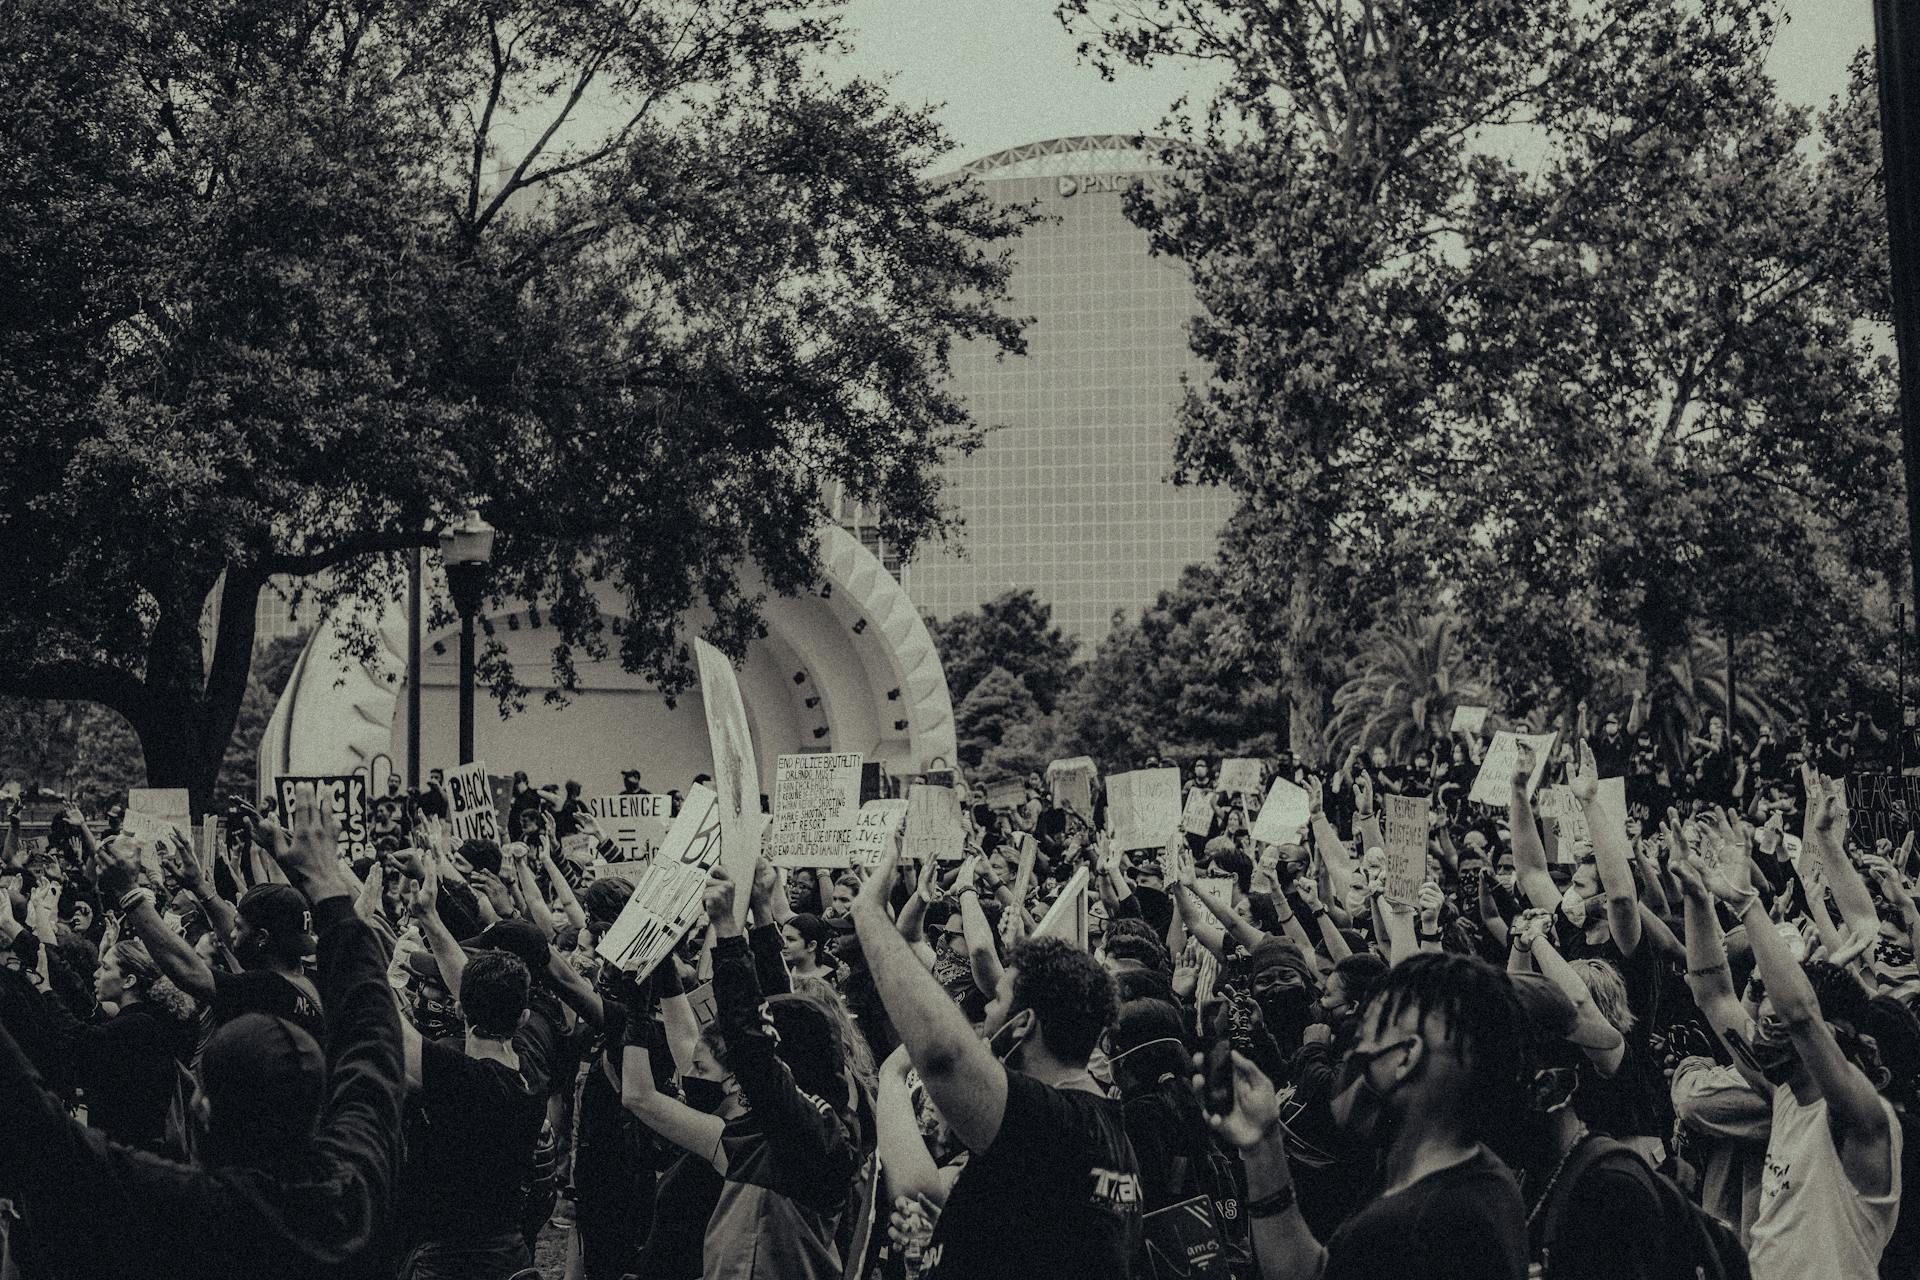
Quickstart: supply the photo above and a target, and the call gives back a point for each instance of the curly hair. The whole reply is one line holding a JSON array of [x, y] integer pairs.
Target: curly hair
[[1068, 991], [1609, 992]]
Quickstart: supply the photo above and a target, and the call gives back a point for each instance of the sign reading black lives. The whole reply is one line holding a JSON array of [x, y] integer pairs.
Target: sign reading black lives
[[347, 795]]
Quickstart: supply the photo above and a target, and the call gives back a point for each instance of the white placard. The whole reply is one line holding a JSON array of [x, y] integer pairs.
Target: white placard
[[1494, 783], [471, 815], [1071, 781], [666, 899], [815, 801], [1469, 720], [935, 828], [1403, 827], [1197, 819], [1143, 808], [736, 774], [637, 823], [873, 831], [1287, 809], [1240, 776]]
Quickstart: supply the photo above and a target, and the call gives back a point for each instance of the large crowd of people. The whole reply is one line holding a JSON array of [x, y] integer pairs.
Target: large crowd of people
[[1677, 1039]]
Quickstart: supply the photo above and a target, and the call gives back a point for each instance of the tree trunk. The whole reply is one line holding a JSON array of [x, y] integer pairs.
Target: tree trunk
[[190, 705]]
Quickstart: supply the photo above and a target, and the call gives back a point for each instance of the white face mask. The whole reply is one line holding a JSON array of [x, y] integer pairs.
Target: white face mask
[[1573, 906]]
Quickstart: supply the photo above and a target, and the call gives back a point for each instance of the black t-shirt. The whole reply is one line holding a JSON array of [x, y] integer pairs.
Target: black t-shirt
[[1056, 1195], [1635, 1101], [682, 1205], [471, 1165], [264, 991], [1611, 755], [1462, 1223], [1601, 1225]]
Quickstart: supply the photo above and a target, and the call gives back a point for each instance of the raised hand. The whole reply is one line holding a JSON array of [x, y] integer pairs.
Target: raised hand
[[1584, 781], [117, 867], [425, 899], [1429, 903], [1256, 1108], [717, 897], [878, 889]]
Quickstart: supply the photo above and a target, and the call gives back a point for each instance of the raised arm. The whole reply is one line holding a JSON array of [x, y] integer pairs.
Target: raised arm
[[1529, 855], [1612, 857], [964, 1079], [425, 907], [908, 1165], [562, 891], [116, 872]]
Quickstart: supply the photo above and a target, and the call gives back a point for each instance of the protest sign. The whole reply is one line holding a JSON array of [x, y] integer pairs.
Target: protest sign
[[1240, 776], [213, 840], [346, 796], [1006, 793], [815, 801], [736, 774], [1219, 888], [1071, 782], [1468, 720], [1881, 806], [1570, 816], [1287, 809], [155, 815], [705, 1005], [1197, 819], [935, 828], [666, 899], [471, 814], [1143, 808], [1404, 826], [636, 823], [1067, 917], [1494, 784], [873, 831]]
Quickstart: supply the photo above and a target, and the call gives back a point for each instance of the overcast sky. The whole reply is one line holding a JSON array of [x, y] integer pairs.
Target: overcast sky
[[1006, 73]]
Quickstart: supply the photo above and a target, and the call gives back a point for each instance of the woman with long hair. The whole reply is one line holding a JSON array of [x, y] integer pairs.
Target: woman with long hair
[[126, 1058], [804, 939]]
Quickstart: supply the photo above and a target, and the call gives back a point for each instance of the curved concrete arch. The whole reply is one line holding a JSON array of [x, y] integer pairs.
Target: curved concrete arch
[[849, 666]]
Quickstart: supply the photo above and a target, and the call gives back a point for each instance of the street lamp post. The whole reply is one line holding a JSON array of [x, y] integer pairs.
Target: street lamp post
[[465, 549]]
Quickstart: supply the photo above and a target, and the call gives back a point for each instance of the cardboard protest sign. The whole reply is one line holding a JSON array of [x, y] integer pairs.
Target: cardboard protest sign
[[736, 774], [815, 801], [1071, 782], [666, 899], [1287, 809], [1881, 806], [1197, 818], [213, 840], [470, 808], [1240, 776], [1570, 816], [1006, 793], [637, 824], [155, 815], [1468, 720], [1493, 785], [935, 828], [1143, 808], [1404, 826], [346, 796], [1067, 917], [1219, 888], [705, 1005], [873, 831]]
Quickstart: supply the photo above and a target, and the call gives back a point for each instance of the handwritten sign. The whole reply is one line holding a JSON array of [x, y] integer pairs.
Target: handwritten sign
[[1468, 720], [1143, 808], [637, 824], [815, 801], [1006, 793], [154, 816], [1240, 776], [1071, 782], [1494, 784], [873, 831], [666, 899], [1404, 829], [1197, 820], [1287, 809], [346, 796], [471, 813], [736, 773], [935, 828]]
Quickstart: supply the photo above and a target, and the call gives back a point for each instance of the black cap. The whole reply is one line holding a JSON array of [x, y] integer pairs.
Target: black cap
[[282, 911], [481, 855], [516, 937]]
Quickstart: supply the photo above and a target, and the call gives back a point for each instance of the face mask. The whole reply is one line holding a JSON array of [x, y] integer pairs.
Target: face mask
[[703, 1094], [1009, 1056], [1773, 1052], [1505, 879], [1287, 1011], [1573, 906], [436, 1020]]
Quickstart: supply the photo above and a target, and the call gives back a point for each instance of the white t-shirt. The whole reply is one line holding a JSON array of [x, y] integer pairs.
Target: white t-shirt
[[1812, 1221]]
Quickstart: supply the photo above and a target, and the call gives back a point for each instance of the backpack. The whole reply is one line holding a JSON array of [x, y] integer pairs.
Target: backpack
[[1696, 1245]]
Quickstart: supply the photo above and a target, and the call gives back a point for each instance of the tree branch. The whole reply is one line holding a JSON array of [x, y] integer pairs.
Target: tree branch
[[485, 126], [74, 679], [299, 565], [519, 177]]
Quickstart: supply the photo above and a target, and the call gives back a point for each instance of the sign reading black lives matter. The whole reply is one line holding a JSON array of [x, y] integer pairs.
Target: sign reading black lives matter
[[471, 814], [346, 795], [816, 800], [1881, 806]]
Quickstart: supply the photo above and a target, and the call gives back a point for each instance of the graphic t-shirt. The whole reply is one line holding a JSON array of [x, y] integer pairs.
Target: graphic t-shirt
[[264, 991], [1813, 1221], [1465, 1222], [1057, 1194]]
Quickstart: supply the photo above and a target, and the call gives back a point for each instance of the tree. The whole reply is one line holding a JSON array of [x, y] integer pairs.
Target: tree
[[1174, 683], [1546, 313], [1403, 686], [1013, 631], [272, 668], [992, 709], [282, 300]]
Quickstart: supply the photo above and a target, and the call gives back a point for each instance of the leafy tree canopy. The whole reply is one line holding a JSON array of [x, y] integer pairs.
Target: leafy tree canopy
[[1014, 631]]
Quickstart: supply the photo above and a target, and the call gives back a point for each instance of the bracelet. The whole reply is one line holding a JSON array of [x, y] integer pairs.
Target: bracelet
[[1318, 912], [1286, 919], [1272, 1206], [1746, 904], [135, 897]]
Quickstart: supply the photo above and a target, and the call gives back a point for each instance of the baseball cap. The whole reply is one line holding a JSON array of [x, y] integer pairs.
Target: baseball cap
[[263, 1075], [515, 937], [481, 855], [629, 773], [282, 911]]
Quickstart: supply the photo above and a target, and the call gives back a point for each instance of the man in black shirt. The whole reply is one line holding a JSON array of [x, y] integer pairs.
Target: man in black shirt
[[294, 1173], [1051, 1187], [1441, 1051]]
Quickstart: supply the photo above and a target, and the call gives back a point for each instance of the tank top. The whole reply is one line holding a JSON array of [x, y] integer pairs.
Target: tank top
[[1813, 1221]]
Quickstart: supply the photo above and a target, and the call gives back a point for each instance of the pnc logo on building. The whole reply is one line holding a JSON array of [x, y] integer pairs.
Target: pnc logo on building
[[1094, 182]]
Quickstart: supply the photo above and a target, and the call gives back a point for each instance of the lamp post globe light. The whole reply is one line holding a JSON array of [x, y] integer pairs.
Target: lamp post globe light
[[465, 551]]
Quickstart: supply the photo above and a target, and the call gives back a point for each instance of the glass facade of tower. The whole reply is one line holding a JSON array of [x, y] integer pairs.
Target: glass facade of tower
[[1069, 495]]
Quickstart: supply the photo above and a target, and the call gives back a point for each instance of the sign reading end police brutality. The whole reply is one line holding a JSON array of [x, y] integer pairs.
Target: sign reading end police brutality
[[666, 898], [636, 823], [470, 811], [815, 801]]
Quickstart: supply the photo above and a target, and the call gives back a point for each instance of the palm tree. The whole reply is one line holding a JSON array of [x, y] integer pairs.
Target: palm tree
[[1695, 688], [1403, 686]]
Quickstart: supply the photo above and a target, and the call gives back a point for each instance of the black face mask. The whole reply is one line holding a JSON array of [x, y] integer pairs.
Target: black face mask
[[704, 1094], [1288, 1011], [436, 1019]]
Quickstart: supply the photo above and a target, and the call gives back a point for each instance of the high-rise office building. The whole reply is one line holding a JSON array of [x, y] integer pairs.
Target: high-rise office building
[[1070, 494]]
